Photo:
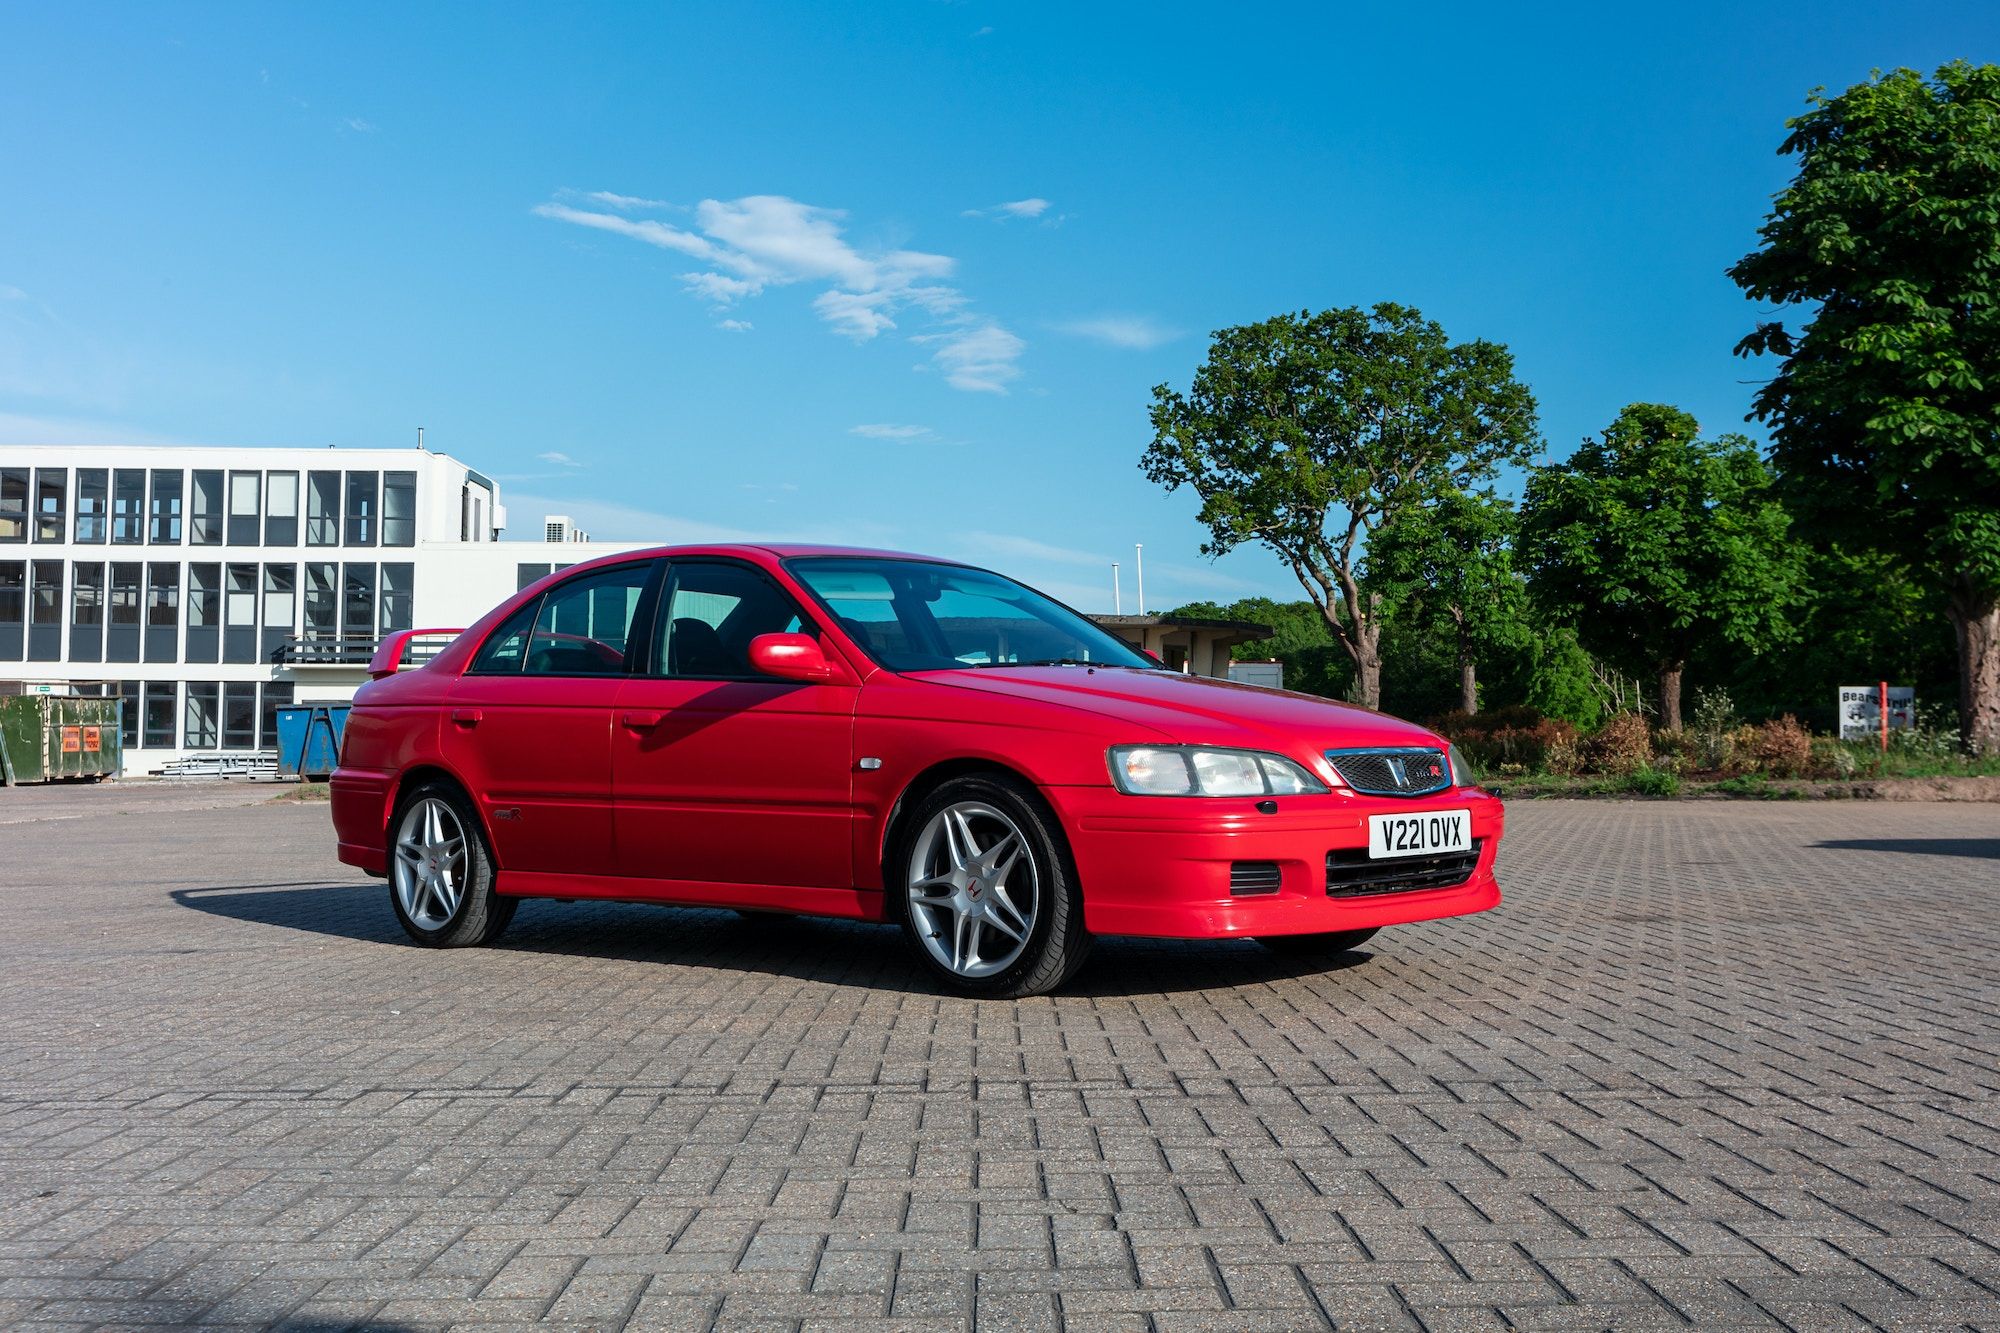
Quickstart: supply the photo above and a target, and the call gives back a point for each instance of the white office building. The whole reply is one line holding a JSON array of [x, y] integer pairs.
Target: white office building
[[208, 587]]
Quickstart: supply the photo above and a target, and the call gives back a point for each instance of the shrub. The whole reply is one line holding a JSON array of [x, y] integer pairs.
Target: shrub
[[1564, 757], [1740, 747], [1623, 746], [1832, 760], [1652, 782], [1714, 722], [1784, 748], [1505, 737]]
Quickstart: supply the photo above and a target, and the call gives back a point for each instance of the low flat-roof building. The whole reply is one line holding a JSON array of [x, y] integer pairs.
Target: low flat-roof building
[[1199, 647]]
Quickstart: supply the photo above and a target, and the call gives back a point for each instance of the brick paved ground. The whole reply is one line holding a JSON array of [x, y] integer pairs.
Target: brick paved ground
[[1713, 1065]]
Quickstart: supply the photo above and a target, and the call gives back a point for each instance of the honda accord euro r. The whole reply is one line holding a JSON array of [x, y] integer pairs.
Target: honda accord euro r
[[888, 738]]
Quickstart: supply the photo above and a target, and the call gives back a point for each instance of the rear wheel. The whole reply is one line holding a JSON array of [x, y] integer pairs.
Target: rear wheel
[[1332, 942], [989, 901], [441, 873]]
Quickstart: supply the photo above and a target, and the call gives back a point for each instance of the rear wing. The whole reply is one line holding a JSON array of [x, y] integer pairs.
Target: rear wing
[[404, 643]]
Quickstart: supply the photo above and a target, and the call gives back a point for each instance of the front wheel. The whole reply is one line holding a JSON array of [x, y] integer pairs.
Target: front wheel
[[1332, 942], [441, 872], [989, 901]]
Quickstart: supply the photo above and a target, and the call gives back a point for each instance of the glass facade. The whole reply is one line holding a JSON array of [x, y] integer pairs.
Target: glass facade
[[93, 499], [165, 528], [51, 503]]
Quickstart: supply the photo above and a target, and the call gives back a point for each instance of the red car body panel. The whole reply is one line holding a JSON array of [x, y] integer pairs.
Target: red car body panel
[[781, 794]]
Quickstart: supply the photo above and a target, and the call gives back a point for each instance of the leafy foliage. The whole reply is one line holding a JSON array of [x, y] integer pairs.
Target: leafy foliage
[[1306, 432], [1454, 560], [1885, 411], [1653, 541]]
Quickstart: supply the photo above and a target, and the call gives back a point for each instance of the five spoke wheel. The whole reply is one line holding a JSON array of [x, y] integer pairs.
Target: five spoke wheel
[[974, 892], [430, 863]]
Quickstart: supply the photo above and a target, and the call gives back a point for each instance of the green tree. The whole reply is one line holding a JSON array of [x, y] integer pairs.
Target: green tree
[[1306, 432], [1653, 542], [1314, 664], [1454, 559], [1885, 411]]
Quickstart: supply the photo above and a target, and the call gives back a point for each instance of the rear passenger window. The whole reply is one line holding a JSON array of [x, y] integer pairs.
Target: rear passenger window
[[504, 648], [586, 623]]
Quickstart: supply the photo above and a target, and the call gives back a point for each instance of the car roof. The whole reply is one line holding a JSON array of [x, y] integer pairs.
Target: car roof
[[779, 550]]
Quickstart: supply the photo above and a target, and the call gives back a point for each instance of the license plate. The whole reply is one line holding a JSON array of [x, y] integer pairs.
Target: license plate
[[1423, 833]]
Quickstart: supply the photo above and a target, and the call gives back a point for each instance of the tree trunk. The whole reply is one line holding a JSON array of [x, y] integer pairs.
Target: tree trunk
[[1975, 619], [1362, 640], [1468, 673], [1368, 672], [1670, 695]]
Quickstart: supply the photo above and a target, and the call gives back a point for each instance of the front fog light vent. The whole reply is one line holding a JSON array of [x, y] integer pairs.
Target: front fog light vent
[[1249, 878]]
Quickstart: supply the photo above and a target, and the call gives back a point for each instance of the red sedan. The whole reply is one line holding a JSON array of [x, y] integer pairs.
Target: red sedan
[[890, 738]]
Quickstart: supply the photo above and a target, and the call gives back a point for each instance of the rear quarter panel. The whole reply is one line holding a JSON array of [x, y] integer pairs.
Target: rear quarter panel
[[392, 729]]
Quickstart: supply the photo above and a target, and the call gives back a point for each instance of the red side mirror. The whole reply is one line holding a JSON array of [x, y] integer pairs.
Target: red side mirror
[[792, 656]]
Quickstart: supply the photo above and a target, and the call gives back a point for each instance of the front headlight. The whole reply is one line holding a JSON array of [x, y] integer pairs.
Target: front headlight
[[1462, 773], [1199, 770]]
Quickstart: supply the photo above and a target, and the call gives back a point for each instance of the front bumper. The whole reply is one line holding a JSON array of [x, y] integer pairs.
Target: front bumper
[[1160, 865]]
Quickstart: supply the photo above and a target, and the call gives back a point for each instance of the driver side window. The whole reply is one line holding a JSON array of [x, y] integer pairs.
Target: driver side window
[[712, 611]]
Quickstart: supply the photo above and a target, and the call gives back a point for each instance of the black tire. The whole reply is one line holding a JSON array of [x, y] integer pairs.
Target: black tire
[[1057, 943], [480, 914], [1326, 945]]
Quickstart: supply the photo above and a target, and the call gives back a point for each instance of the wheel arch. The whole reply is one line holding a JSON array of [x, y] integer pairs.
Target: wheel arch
[[930, 779], [429, 771]]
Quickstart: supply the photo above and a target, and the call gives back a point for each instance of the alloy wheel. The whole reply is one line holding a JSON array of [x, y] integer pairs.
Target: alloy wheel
[[974, 892], [430, 863]]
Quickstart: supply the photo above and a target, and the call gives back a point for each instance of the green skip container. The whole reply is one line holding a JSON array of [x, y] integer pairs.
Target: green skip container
[[50, 737]]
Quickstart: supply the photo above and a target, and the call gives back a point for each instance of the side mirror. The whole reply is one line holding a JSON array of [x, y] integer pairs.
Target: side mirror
[[792, 656]]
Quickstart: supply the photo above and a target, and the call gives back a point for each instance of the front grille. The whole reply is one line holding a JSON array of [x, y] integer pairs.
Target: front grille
[[1351, 874], [1401, 772], [1250, 878]]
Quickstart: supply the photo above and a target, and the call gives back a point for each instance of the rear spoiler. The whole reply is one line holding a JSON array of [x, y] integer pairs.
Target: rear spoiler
[[389, 653]]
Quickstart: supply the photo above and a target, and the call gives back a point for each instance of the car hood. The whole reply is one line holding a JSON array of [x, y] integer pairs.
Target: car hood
[[1168, 706]]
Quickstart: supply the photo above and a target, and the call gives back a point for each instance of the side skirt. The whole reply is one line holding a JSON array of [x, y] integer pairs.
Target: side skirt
[[854, 904]]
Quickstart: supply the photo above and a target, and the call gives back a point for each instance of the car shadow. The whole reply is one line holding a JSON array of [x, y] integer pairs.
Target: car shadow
[[847, 953], [1978, 848]]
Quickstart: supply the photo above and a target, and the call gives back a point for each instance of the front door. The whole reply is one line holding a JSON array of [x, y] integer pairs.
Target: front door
[[528, 727], [726, 776]]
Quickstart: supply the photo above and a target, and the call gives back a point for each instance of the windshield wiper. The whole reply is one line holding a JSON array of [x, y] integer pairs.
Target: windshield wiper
[[1047, 661]]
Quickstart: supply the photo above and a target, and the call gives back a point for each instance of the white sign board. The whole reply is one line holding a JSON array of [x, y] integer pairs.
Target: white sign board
[[1860, 710]]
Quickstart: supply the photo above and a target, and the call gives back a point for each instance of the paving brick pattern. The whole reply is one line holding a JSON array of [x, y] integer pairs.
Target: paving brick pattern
[[1711, 1066]]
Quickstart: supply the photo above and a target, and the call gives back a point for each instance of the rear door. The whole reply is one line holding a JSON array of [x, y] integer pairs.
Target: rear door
[[725, 775], [528, 726]]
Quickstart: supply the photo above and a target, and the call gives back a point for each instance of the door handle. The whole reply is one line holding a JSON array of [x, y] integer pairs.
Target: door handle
[[465, 717], [639, 721]]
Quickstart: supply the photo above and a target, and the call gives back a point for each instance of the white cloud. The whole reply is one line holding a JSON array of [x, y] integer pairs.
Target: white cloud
[[558, 458], [607, 521], [8, 293], [1017, 208], [888, 431], [1027, 548], [1134, 332], [358, 125], [630, 203], [735, 325], [980, 357], [746, 246]]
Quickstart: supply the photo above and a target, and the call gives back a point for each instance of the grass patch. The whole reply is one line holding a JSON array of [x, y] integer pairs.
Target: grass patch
[[306, 791]]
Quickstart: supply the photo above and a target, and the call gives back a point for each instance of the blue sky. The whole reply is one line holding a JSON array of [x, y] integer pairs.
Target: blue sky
[[896, 273]]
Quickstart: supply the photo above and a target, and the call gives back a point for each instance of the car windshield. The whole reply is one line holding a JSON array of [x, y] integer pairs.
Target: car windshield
[[912, 615]]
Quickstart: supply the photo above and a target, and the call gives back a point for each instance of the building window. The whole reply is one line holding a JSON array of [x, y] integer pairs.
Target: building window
[[13, 504], [281, 597], [244, 488], [87, 603], [361, 515], [322, 601], [128, 714], [198, 726], [92, 495], [398, 587], [526, 574], [276, 694], [239, 715], [357, 617], [125, 594], [51, 503], [163, 612], [128, 506], [281, 509], [204, 613], [13, 607], [159, 715], [323, 509], [205, 512], [166, 526], [48, 598], [399, 509], [239, 614]]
